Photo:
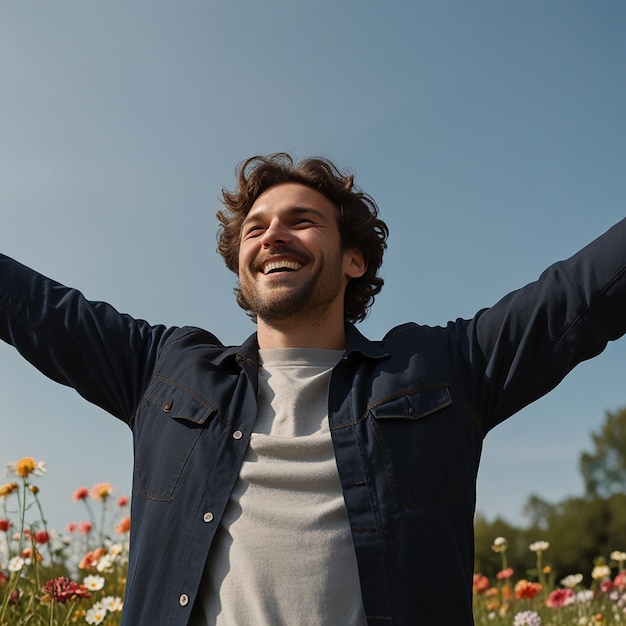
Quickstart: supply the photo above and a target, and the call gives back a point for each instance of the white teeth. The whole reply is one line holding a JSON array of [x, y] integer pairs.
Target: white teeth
[[286, 264]]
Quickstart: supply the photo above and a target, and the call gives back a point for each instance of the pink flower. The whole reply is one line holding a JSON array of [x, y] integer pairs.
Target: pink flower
[[560, 598], [620, 580], [84, 528], [71, 527], [82, 493], [504, 574]]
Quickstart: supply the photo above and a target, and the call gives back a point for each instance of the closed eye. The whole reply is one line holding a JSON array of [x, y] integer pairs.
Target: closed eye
[[253, 231]]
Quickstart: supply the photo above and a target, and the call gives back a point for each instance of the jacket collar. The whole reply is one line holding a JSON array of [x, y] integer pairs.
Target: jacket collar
[[356, 343]]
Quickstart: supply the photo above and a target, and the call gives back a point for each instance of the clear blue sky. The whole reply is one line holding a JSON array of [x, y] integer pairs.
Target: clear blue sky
[[492, 134]]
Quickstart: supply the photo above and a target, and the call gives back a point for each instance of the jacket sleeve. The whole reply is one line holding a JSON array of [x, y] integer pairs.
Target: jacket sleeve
[[106, 356], [524, 345]]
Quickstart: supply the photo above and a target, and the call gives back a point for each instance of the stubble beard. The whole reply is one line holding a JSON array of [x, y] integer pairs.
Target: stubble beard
[[308, 301]]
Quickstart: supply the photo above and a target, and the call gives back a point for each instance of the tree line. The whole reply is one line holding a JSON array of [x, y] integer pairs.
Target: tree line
[[582, 531]]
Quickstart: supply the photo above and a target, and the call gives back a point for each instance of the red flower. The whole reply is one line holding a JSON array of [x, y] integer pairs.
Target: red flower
[[84, 528], [504, 574], [560, 598], [525, 590], [42, 537], [82, 493], [62, 589], [606, 585], [481, 583], [5, 524], [3, 579], [71, 527], [122, 501]]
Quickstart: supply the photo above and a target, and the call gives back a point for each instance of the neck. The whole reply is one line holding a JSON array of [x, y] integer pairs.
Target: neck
[[322, 332]]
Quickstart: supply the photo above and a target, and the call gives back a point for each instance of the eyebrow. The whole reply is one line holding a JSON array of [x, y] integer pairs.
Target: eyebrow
[[295, 210]]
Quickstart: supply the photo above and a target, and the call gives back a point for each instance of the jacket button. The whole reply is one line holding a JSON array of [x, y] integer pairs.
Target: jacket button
[[167, 407], [208, 517], [183, 600], [237, 434]]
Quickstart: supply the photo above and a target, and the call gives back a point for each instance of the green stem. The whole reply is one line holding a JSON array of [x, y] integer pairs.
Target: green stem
[[21, 503], [44, 523], [69, 614], [13, 580], [92, 519], [102, 516], [542, 576]]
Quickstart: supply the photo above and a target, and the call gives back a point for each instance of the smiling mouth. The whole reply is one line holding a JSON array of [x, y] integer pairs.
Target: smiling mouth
[[286, 265]]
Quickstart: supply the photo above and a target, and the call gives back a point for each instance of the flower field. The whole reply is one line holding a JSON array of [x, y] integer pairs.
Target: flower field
[[78, 576], [546, 602], [55, 579]]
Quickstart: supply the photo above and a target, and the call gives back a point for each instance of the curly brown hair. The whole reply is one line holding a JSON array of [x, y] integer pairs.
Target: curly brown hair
[[357, 218]]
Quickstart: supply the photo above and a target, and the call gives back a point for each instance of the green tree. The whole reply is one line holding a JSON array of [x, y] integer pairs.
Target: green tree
[[604, 468]]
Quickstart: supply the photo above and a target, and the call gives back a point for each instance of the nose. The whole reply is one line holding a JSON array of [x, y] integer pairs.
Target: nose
[[276, 233]]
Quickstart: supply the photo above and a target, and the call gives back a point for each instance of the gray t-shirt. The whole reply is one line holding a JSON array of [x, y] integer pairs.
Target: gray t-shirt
[[283, 553]]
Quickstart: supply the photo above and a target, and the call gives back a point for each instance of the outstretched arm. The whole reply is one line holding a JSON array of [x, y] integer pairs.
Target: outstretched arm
[[106, 356], [527, 342]]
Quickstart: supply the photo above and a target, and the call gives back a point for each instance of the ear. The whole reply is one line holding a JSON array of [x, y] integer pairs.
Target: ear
[[354, 264]]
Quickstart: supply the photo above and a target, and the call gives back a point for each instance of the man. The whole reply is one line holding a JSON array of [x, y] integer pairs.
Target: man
[[311, 476]]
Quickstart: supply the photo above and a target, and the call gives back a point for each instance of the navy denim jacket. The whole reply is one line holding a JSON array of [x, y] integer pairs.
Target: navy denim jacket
[[407, 415]]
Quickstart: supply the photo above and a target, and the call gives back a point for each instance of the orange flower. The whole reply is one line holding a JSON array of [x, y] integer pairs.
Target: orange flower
[[91, 558], [101, 491], [7, 489], [526, 590], [27, 466], [123, 526], [34, 555]]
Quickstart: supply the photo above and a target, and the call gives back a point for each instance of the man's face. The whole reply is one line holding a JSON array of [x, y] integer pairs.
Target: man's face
[[291, 264]]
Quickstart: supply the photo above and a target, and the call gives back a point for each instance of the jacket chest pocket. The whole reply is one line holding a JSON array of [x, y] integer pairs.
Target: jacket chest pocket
[[414, 437], [171, 420]]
